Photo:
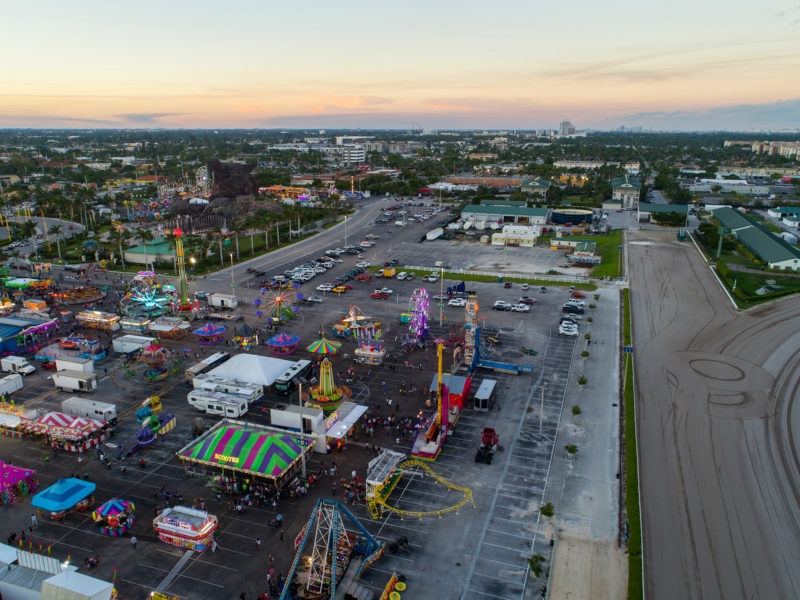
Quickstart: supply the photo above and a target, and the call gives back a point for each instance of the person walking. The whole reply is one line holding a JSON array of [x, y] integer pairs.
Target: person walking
[[133, 542], [281, 534], [34, 520], [258, 543]]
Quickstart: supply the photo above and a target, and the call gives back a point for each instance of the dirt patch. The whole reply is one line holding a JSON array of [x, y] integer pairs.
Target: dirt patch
[[584, 568]]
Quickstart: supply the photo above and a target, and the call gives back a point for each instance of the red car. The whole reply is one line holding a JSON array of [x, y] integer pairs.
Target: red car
[[364, 277], [526, 300], [347, 286], [50, 365], [577, 295], [379, 295]]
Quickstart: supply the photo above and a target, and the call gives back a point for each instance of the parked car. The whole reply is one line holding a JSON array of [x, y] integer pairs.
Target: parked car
[[524, 286], [526, 300], [379, 295], [577, 295], [501, 305], [440, 297], [521, 308], [507, 285], [364, 277], [567, 330], [363, 264], [339, 289], [457, 302], [569, 308], [314, 299], [543, 289]]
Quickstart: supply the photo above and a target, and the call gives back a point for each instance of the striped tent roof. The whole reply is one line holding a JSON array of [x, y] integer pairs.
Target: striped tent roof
[[254, 451]]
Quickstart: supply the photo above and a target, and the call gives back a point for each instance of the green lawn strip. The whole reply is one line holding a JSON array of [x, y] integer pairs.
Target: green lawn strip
[[635, 566]]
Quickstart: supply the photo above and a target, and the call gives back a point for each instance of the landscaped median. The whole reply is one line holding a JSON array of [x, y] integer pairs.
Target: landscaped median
[[632, 508], [588, 286]]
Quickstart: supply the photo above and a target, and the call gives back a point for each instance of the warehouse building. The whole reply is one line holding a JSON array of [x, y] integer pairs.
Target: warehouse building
[[649, 212], [521, 215], [770, 249]]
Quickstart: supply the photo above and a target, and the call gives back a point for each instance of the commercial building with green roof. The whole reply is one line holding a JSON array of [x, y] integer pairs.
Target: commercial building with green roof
[[522, 215], [646, 211], [769, 248], [626, 190], [158, 250]]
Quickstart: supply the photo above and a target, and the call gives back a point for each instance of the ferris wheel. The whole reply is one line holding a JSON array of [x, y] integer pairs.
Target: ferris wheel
[[203, 179], [418, 325], [279, 304]]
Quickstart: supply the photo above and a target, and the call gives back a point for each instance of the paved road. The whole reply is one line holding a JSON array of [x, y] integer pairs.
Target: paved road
[[720, 476]]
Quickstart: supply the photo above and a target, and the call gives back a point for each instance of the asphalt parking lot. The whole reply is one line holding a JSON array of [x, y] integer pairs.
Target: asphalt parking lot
[[479, 552]]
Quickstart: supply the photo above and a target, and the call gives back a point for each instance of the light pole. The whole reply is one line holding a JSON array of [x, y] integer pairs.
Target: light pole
[[541, 409], [302, 426], [233, 281], [345, 230], [192, 260]]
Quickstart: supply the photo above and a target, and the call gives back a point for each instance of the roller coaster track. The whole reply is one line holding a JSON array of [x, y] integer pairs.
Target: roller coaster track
[[377, 505]]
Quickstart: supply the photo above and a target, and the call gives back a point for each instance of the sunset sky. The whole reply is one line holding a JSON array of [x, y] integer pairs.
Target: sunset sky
[[441, 63]]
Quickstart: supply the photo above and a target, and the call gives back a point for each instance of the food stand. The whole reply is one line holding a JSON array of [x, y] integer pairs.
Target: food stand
[[134, 324], [114, 517], [245, 337], [185, 527], [97, 319], [169, 327], [35, 308], [64, 495], [71, 433]]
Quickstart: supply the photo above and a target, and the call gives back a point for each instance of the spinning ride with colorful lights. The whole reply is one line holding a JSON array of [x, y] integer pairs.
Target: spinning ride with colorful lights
[[369, 345], [327, 395], [418, 323], [114, 517], [278, 305], [155, 356]]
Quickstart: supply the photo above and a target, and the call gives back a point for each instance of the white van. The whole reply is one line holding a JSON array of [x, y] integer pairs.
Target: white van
[[402, 275], [217, 403]]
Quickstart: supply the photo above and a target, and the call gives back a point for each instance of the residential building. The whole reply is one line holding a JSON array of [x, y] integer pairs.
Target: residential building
[[353, 153], [627, 190]]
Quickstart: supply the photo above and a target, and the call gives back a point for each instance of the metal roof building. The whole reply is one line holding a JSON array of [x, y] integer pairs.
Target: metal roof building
[[772, 250], [505, 214]]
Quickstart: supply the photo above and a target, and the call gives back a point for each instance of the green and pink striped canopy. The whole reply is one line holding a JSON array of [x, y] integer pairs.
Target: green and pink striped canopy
[[261, 453]]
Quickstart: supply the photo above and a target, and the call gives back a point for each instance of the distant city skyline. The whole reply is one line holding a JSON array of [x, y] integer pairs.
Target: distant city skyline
[[445, 65]]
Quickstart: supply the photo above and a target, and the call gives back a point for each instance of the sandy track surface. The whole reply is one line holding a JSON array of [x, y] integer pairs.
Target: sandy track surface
[[720, 475], [587, 568]]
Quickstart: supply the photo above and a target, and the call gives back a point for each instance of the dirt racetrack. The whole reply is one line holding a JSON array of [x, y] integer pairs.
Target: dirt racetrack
[[720, 476]]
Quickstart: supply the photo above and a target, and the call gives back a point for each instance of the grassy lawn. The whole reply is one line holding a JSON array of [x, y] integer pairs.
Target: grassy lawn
[[635, 565]]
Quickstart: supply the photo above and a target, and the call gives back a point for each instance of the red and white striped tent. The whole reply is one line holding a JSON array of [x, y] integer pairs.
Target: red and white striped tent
[[78, 424]]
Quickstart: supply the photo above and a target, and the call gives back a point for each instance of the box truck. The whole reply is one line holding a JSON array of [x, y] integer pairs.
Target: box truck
[[91, 409], [127, 344], [223, 300], [75, 381], [16, 364], [434, 234], [217, 403], [73, 363], [10, 384]]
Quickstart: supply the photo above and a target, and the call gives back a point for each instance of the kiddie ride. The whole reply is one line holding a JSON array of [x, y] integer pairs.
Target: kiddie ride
[[488, 447]]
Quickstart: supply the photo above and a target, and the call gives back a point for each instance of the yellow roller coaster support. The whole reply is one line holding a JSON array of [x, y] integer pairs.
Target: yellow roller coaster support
[[378, 504]]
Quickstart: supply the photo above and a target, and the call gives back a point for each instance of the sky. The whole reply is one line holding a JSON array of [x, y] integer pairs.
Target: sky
[[442, 64]]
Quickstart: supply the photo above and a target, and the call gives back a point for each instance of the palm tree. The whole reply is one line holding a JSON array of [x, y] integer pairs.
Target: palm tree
[[55, 230]]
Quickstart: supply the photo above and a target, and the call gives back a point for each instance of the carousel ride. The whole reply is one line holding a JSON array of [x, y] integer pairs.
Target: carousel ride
[[327, 395], [146, 298], [78, 295]]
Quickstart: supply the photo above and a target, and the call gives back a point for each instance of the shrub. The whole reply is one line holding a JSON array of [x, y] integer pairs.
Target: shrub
[[547, 510], [589, 319], [576, 410], [571, 448], [535, 563], [582, 380], [593, 305], [585, 353], [587, 336]]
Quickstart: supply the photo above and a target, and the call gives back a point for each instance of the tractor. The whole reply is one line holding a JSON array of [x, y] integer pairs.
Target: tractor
[[488, 446]]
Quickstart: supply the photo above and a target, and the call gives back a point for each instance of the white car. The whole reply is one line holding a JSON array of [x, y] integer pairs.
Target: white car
[[521, 308], [433, 278], [565, 330], [314, 299], [402, 275], [324, 287], [457, 302], [386, 291], [362, 265]]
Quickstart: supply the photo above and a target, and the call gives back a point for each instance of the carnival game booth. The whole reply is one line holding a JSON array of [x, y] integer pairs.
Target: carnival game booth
[[245, 337], [12, 425], [71, 433], [210, 335], [36, 309], [15, 483], [169, 327], [97, 319], [114, 517], [248, 452], [64, 495], [185, 527], [341, 422], [18, 333], [282, 344], [134, 324]]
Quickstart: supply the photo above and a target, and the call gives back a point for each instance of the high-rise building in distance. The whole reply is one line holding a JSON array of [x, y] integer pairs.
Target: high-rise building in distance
[[566, 128]]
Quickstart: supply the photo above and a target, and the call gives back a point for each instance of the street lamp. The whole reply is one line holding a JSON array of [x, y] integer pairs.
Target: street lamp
[[192, 260], [541, 409], [300, 383], [233, 282], [441, 294], [345, 230]]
